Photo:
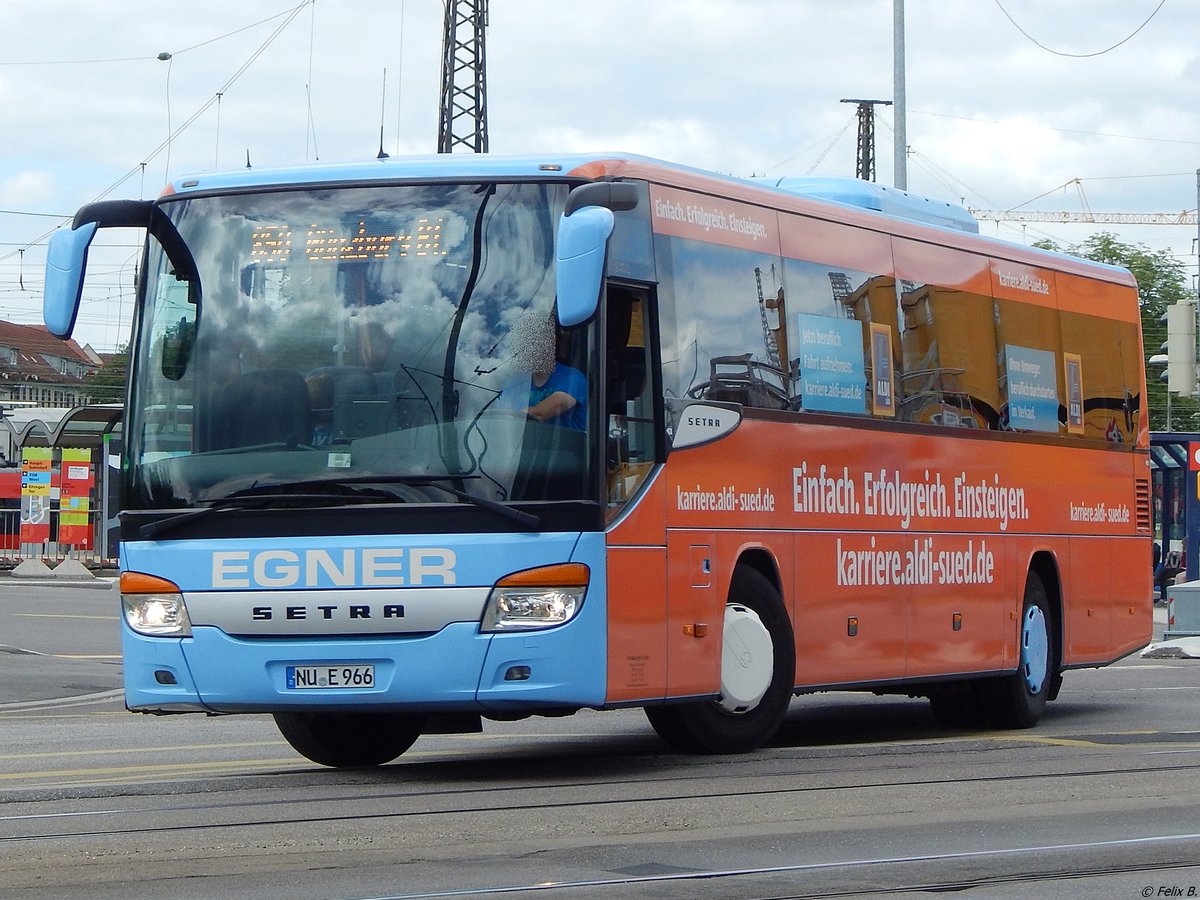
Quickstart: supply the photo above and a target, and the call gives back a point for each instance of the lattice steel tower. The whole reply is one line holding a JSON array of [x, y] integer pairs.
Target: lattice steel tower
[[463, 110], [865, 162]]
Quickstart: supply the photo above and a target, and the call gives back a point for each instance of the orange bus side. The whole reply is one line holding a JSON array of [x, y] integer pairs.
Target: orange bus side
[[900, 554]]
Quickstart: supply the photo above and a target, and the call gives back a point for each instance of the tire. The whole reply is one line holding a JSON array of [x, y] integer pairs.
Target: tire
[[758, 672], [1018, 700], [350, 740]]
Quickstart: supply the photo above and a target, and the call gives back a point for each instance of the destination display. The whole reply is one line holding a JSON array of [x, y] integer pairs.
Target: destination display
[[275, 244]]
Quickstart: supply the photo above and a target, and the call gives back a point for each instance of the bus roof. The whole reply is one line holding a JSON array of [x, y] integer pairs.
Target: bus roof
[[849, 200]]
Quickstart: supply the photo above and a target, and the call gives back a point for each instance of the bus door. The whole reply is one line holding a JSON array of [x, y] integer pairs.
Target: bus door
[[635, 513]]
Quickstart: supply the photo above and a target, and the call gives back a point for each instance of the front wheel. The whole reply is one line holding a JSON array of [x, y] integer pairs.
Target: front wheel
[[350, 740], [1018, 700], [758, 670]]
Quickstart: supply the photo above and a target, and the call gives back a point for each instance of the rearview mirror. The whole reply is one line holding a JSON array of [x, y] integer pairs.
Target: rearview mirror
[[582, 246], [66, 259]]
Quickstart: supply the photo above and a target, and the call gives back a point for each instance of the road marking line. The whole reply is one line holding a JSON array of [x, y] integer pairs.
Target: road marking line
[[62, 701], [1092, 744], [178, 748], [141, 770]]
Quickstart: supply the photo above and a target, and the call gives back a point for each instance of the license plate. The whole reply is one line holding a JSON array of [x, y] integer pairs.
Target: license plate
[[335, 676]]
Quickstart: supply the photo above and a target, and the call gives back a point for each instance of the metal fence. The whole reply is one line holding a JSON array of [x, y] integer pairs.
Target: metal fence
[[13, 552]]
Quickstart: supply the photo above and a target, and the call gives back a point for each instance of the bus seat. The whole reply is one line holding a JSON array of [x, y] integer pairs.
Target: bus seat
[[348, 381], [270, 406]]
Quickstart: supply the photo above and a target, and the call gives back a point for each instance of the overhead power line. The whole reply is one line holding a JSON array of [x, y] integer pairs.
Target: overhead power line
[[1123, 40], [290, 15], [125, 59]]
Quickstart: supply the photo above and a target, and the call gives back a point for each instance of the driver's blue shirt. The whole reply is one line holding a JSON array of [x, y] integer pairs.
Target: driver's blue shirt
[[571, 382]]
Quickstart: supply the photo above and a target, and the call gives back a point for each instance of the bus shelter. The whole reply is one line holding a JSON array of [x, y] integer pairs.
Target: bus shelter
[[93, 429], [1174, 463]]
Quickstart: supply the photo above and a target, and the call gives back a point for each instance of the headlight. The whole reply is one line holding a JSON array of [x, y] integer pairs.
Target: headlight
[[154, 606], [536, 598]]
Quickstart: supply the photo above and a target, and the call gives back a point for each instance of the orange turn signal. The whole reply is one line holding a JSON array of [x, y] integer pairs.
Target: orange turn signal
[[560, 575], [141, 583]]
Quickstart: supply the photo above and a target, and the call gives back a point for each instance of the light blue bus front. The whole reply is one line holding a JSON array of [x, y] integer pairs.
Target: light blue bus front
[[486, 623]]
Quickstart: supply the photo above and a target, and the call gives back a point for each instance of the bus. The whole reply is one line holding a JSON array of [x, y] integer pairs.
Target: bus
[[423, 442]]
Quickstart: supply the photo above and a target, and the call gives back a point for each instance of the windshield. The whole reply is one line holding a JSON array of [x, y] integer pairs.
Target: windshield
[[402, 332]]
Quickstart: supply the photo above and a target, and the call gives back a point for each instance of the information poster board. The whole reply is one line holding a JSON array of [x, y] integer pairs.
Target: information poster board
[[36, 463], [76, 481]]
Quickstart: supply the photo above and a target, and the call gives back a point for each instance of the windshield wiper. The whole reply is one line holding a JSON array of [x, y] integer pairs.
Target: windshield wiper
[[358, 488], [517, 515], [249, 498], [529, 520]]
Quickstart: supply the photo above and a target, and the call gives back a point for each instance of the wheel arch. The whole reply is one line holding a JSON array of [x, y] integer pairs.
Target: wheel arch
[[1044, 564], [762, 561]]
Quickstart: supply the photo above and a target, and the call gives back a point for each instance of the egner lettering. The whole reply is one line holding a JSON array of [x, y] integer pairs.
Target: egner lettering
[[371, 566], [924, 563]]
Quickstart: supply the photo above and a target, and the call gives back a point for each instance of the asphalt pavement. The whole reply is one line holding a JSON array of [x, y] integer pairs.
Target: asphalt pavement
[[59, 638]]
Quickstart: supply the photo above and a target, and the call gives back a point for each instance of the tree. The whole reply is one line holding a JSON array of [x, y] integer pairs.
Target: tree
[[1162, 281], [107, 384]]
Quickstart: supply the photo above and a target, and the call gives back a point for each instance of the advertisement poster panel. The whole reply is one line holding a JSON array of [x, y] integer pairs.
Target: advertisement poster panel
[[74, 501], [36, 465], [832, 368]]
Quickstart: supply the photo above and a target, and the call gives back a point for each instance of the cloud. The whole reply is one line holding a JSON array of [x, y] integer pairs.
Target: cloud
[[27, 190], [741, 88]]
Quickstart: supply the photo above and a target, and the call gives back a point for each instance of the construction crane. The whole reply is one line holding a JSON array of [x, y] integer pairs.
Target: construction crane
[[1017, 215], [1085, 215], [462, 119]]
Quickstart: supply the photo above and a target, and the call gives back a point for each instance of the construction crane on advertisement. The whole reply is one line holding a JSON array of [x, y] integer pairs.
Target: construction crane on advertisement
[[768, 332], [462, 116]]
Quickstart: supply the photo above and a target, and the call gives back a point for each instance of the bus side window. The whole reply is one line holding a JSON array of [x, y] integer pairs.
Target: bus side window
[[949, 375]]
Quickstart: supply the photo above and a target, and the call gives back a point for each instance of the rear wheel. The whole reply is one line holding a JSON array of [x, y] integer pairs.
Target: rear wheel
[[350, 740], [758, 666], [1018, 700]]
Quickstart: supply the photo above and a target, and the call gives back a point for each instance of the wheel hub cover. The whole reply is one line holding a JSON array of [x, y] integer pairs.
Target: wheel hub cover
[[1035, 649], [747, 659]]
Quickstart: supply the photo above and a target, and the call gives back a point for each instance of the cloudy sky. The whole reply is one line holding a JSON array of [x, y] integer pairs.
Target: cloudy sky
[[1011, 103]]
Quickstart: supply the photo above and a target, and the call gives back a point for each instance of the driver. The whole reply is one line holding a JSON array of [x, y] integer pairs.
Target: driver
[[548, 390]]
